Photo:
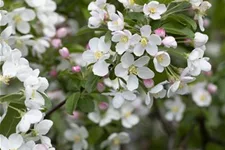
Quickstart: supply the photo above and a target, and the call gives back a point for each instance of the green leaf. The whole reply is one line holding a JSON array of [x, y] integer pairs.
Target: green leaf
[[91, 82], [12, 118], [16, 98], [71, 102], [178, 29], [141, 2], [85, 30], [108, 36], [164, 1], [135, 16], [95, 133], [86, 104], [183, 19], [48, 103]]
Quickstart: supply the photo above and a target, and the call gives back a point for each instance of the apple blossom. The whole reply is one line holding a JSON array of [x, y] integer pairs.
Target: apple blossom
[[154, 10], [175, 108], [117, 22], [115, 140], [131, 5], [161, 60], [98, 53], [147, 41], [128, 118], [200, 40], [77, 135], [14, 141], [129, 69]]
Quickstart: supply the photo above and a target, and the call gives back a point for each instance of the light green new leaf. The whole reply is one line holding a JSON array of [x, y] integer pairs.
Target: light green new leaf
[[71, 102]]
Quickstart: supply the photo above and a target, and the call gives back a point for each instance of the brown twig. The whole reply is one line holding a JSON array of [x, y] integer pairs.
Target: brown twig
[[55, 108]]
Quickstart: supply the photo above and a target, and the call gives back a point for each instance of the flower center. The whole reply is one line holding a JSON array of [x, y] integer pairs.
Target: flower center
[[17, 18], [175, 109], [132, 2], [124, 39], [5, 79], [127, 114], [116, 141], [144, 41], [133, 70], [152, 10], [77, 139], [98, 54], [160, 58], [202, 97]]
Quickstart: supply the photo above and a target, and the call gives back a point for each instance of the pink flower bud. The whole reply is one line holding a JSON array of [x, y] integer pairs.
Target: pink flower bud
[[160, 32], [87, 47], [76, 69], [169, 41], [56, 43], [76, 115], [208, 73], [64, 52], [148, 83], [62, 32], [53, 73], [212, 88], [103, 106], [100, 87], [206, 22]]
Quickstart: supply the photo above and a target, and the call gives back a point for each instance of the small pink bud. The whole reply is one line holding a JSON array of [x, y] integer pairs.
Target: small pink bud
[[187, 41], [208, 73], [56, 43], [76, 69], [64, 52], [160, 32], [103, 106], [212, 88], [40, 147], [206, 22], [62, 32], [76, 115], [53, 73], [148, 83], [87, 47], [100, 87]]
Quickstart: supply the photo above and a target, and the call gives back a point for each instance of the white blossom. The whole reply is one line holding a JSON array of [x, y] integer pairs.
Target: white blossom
[[78, 135], [98, 53], [200, 40], [147, 41], [161, 60], [117, 22], [175, 108], [129, 69], [13, 142], [154, 10], [115, 140]]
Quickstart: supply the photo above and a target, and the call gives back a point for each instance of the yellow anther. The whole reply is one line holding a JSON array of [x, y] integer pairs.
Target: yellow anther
[[133, 70], [144, 41], [116, 141], [152, 10], [124, 39], [98, 54], [77, 139], [175, 109]]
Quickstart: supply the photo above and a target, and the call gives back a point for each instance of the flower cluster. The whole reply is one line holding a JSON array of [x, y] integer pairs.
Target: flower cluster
[[15, 39]]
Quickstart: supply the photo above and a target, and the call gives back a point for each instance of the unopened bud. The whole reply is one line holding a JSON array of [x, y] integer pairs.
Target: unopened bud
[[160, 32], [100, 87], [103, 106], [62, 32], [212, 88], [169, 41], [64, 52], [148, 83], [56, 43], [76, 69]]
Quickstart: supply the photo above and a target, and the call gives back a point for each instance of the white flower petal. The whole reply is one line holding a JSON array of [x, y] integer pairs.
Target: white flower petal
[[100, 68], [132, 83], [145, 73]]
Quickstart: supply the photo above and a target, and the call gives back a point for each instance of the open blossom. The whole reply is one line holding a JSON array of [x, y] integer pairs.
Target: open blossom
[[128, 117], [31, 117], [117, 22], [19, 19], [40, 45], [169, 42], [161, 60], [115, 140], [157, 91], [14, 141], [78, 135], [120, 97], [129, 69], [98, 53], [147, 41], [124, 40], [201, 7], [154, 10], [1, 4], [198, 63], [98, 4], [180, 85], [131, 5], [104, 118], [175, 108], [200, 95]]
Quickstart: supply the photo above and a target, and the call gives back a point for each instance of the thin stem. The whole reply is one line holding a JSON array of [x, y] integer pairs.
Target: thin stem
[[19, 111], [55, 108]]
